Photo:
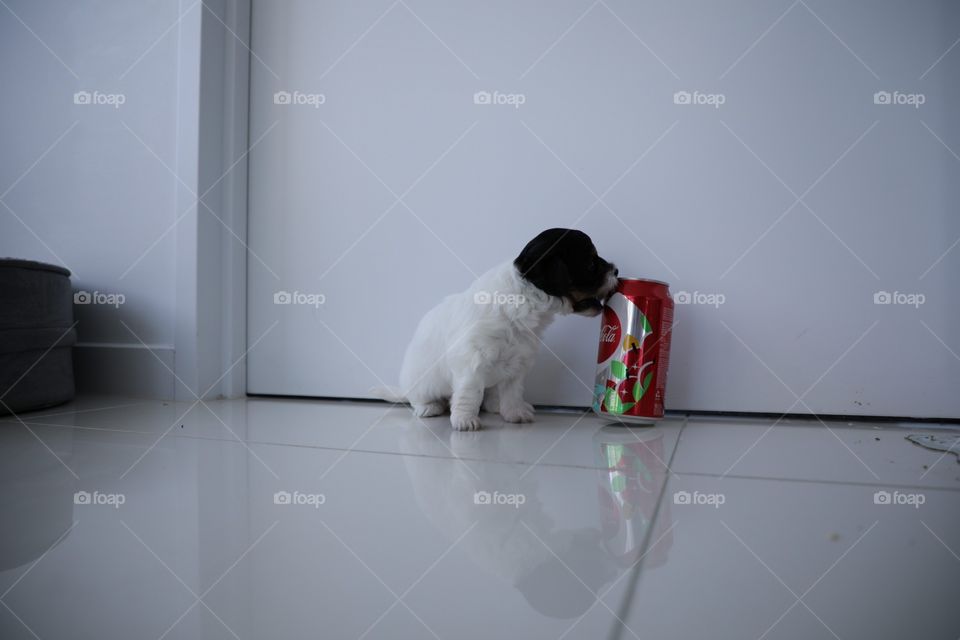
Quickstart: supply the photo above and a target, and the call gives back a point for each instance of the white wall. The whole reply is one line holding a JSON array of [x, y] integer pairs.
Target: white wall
[[701, 197], [110, 192]]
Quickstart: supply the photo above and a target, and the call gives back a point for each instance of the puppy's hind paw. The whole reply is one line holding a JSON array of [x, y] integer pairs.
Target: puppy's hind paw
[[491, 404], [523, 413], [464, 422], [429, 410]]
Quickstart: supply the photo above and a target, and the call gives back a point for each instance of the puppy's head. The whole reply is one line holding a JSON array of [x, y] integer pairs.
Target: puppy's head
[[564, 263]]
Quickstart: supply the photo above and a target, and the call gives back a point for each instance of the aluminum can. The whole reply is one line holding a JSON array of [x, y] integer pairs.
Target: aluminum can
[[634, 352]]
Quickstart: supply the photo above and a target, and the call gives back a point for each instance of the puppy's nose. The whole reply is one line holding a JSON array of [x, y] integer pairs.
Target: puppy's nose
[[616, 271]]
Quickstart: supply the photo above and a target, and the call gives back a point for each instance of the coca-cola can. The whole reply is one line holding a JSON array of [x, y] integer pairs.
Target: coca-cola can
[[634, 352]]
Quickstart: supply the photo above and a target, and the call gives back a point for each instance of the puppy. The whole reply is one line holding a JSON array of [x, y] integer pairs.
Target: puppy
[[476, 347]]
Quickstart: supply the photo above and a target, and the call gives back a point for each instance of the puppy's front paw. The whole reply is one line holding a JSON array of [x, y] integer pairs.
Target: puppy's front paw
[[464, 422], [523, 413]]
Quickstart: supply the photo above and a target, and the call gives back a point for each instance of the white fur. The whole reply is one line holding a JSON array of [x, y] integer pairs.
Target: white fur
[[468, 352]]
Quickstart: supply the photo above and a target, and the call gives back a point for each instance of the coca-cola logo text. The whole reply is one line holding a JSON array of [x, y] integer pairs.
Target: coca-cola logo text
[[610, 332]]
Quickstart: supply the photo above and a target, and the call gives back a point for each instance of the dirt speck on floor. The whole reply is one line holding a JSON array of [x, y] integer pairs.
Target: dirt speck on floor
[[834, 537]]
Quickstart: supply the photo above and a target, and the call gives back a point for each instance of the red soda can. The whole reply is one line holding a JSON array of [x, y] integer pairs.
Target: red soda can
[[634, 352]]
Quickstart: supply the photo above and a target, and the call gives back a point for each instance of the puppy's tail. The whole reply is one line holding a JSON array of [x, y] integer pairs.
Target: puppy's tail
[[390, 394]]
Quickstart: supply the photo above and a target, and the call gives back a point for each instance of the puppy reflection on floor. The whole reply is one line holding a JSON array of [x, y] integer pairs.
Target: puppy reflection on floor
[[476, 347], [502, 540]]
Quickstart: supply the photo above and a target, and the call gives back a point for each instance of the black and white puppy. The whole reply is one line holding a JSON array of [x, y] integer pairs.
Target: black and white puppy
[[476, 347]]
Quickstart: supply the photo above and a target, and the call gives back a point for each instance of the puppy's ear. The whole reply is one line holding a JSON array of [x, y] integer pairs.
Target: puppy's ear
[[546, 272]]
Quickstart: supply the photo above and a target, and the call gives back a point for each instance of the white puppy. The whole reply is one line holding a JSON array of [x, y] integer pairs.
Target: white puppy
[[476, 347]]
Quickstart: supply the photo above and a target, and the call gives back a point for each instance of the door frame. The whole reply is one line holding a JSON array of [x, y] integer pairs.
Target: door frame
[[213, 105]]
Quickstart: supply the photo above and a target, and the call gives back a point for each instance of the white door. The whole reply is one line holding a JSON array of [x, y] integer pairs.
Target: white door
[[781, 167]]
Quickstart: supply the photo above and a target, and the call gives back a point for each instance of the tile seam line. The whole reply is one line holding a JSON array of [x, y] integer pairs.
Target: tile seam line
[[328, 448], [626, 605]]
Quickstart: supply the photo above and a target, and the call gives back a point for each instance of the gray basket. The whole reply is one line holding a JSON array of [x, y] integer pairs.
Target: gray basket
[[36, 318]]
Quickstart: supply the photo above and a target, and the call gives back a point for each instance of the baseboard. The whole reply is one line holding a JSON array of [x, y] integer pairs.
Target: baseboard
[[125, 369], [773, 417]]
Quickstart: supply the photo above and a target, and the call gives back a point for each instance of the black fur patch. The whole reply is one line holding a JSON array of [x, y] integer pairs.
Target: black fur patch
[[564, 263]]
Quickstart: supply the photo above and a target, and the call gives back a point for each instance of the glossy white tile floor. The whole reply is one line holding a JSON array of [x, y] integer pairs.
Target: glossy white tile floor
[[696, 528]]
